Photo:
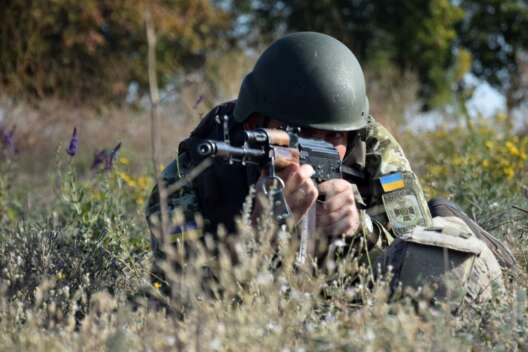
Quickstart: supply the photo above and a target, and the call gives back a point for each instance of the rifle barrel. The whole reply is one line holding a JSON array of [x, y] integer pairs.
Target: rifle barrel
[[209, 148]]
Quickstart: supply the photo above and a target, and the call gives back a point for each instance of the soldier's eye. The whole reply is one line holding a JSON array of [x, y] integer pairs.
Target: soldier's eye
[[337, 135]]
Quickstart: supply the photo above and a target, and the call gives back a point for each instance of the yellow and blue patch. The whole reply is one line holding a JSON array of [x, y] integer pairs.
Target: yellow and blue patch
[[392, 182]]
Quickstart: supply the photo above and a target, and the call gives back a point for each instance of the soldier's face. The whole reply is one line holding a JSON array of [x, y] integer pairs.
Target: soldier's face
[[338, 139]]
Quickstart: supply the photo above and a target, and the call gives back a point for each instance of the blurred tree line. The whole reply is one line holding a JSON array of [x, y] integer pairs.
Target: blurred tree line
[[96, 48], [439, 40]]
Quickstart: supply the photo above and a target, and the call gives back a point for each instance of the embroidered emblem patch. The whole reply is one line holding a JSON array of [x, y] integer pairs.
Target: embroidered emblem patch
[[402, 204], [392, 182], [403, 211]]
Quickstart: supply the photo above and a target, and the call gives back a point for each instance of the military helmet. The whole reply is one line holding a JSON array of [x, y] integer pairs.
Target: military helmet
[[306, 79]]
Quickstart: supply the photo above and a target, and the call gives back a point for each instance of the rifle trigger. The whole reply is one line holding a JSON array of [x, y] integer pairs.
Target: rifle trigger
[[354, 172]]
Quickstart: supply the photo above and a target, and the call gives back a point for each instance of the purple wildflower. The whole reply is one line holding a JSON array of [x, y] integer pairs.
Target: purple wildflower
[[99, 158], [198, 101], [8, 139], [109, 162], [105, 157], [74, 143]]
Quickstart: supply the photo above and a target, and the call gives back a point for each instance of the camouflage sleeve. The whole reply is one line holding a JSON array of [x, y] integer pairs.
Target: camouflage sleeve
[[396, 210], [383, 143], [184, 198]]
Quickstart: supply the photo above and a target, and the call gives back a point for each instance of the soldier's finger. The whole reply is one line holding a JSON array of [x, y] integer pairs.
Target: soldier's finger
[[309, 191], [334, 186], [347, 226], [286, 173], [301, 175], [306, 171], [326, 219], [305, 192], [338, 201], [301, 198]]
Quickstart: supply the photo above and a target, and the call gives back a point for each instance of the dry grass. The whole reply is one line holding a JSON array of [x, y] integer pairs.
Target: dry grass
[[75, 266]]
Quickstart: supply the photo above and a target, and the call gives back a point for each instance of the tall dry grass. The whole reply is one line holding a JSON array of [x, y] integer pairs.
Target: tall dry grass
[[75, 267]]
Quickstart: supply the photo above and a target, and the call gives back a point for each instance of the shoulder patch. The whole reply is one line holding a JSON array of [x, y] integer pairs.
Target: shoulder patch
[[402, 203], [392, 182]]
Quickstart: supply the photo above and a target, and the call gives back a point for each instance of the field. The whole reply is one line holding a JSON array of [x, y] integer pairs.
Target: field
[[75, 251]]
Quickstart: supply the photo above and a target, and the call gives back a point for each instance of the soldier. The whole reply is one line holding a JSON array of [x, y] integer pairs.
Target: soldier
[[314, 82]]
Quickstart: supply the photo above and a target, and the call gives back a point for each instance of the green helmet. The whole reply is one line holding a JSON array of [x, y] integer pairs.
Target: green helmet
[[306, 79]]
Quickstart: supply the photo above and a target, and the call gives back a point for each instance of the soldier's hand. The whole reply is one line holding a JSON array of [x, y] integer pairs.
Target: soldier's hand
[[300, 191], [338, 214]]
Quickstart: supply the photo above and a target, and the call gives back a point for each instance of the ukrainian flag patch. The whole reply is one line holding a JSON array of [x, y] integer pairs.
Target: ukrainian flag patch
[[392, 182]]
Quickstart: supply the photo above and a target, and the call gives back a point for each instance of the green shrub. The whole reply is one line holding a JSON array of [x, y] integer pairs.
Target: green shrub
[[477, 167], [90, 238]]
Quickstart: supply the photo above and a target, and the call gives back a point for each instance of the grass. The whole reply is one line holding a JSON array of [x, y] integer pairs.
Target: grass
[[75, 263]]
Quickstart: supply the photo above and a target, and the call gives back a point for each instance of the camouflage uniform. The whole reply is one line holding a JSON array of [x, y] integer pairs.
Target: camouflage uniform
[[381, 155], [394, 212]]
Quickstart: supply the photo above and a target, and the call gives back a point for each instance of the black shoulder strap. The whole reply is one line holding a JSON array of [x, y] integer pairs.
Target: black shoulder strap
[[222, 188], [205, 127]]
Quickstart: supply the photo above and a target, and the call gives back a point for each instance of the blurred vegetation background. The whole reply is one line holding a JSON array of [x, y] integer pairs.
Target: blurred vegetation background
[[96, 49]]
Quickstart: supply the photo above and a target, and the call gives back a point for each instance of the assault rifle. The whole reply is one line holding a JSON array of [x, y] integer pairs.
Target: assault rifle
[[277, 148], [274, 148]]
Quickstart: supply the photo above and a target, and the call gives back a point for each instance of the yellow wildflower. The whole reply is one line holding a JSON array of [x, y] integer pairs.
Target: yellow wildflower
[[143, 182], [157, 285], [512, 149], [128, 179], [437, 170], [457, 161], [489, 144], [504, 163], [123, 160], [123, 175], [485, 163], [509, 172]]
